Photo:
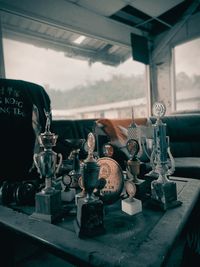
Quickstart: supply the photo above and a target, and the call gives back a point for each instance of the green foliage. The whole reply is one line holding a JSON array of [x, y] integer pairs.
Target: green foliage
[[119, 88]]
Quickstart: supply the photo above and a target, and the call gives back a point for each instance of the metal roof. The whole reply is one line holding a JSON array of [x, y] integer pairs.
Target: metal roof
[[106, 24]]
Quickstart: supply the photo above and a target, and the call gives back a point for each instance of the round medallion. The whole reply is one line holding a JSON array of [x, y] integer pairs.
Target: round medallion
[[108, 150], [133, 147], [130, 188], [66, 179], [111, 171], [159, 109]]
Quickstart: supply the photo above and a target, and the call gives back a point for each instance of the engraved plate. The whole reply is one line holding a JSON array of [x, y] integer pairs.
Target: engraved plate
[[112, 172]]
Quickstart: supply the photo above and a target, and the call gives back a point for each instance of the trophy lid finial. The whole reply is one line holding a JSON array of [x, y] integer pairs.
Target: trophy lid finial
[[91, 146], [48, 121], [47, 139]]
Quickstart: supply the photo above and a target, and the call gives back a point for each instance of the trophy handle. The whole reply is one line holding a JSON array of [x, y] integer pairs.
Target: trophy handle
[[36, 164], [60, 162], [152, 158], [143, 142], [172, 169]]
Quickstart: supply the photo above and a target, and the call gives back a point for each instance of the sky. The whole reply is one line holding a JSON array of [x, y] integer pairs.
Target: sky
[[43, 66], [187, 57]]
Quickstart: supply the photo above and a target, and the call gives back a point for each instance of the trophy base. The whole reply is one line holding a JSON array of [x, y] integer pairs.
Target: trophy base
[[143, 188], [69, 195], [131, 206], [79, 196], [47, 206], [89, 220], [164, 195]]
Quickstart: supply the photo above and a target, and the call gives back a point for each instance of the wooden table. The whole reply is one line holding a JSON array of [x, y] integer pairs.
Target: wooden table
[[142, 240]]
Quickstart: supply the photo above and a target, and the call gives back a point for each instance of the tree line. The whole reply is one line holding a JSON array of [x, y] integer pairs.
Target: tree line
[[118, 88]]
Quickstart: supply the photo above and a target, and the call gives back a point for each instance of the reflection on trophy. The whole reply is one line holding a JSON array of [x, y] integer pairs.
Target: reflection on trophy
[[131, 205], [48, 201], [133, 167], [163, 191], [89, 220]]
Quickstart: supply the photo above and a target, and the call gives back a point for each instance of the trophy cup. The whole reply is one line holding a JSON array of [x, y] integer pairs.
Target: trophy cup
[[48, 201], [131, 205], [163, 191], [89, 219]]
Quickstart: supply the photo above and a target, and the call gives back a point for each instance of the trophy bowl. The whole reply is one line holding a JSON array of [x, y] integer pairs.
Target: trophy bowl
[[75, 143]]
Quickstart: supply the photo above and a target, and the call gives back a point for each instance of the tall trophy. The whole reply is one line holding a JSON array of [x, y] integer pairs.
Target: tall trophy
[[89, 219], [163, 191], [48, 201]]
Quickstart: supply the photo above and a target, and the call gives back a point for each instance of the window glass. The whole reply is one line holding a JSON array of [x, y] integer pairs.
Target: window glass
[[78, 89], [187, 76]]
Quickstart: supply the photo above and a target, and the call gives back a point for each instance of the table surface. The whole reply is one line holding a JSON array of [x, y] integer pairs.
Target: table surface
[[144, 239]]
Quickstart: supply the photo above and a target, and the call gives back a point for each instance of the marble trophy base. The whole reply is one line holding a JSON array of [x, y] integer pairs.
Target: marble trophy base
[[47, 206], [164, 195], [68, 195], [89, 220], [131, 206]]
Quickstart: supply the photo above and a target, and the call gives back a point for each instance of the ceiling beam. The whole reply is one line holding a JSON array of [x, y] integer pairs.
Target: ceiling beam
[[72, 17], [70, 50]]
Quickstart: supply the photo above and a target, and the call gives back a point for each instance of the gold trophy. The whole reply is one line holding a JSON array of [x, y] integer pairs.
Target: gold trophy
[[89, 219], [48, 201], [163, 191]]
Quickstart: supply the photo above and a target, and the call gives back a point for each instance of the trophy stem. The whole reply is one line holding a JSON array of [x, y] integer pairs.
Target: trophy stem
[[48, 189]]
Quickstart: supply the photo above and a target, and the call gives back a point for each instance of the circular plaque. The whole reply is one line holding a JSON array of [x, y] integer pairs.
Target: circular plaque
[[159, 109], [66, 179], [133, 147], [130, 188], [111, 171], [108, 150]]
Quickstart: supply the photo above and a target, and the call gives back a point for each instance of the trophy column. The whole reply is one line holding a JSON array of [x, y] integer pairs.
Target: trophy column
[[48, 201], [89, 219], [163, 191]]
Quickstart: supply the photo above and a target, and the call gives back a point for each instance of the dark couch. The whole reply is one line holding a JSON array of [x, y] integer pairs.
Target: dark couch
[[184, 133], [183, 130]]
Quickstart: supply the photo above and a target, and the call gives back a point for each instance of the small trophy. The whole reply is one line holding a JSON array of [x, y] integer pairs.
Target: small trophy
[[133, 168], [131, 205], [163, 191], [89, 219], [70, 180], [48, 201]]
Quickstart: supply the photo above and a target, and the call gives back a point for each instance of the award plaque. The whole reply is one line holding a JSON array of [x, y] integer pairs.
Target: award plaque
[[131, 205], [111, 171]]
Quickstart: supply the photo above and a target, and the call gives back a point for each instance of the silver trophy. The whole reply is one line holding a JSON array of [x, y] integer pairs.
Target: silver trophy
[[47, 162], [163, 191]]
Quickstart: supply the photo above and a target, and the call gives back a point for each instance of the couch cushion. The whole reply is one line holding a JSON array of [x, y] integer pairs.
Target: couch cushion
[[187, 167]]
